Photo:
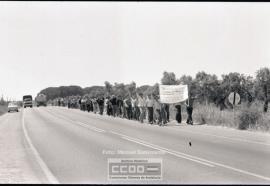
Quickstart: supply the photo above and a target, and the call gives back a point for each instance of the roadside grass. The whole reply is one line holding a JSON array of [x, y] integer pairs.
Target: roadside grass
[[212, 115], [243, 117], [3, 109]]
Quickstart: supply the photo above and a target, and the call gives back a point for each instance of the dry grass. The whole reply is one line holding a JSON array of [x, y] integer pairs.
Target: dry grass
[[3, 109], [242, 117], [264, 123]]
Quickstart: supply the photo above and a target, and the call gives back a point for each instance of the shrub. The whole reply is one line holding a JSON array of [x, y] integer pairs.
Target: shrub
[[248, 118], [243, 117], [264, 122], [212, 115]]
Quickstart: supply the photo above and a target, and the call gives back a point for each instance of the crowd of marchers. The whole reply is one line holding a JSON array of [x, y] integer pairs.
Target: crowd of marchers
[[137, 107]]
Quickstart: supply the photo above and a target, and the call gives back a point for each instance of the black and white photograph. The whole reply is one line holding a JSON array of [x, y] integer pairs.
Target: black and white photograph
[[119, 92]]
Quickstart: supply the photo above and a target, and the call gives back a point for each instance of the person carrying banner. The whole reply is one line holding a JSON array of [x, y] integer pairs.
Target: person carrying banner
[[167, 109], [178, 116], [171, 94], [163, 114], [189, 112]]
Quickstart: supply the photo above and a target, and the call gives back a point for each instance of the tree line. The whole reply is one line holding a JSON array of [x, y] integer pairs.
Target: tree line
[[204, 88]]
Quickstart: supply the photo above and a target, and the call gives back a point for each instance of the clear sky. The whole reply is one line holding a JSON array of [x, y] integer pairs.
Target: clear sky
[[44, 44]]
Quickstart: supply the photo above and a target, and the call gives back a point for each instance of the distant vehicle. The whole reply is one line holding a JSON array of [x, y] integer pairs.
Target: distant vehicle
[[41, 100], [27, 101], [12, 106]]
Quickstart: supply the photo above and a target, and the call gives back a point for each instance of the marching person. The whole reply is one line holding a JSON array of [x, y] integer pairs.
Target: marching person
[[109, 107], [83, 103], [62, 102], [88, 104], [95, 105], [80, 102], [100, 102], [69, 102], [167, 109], [128, 107], [141, 105], [157, 107], [150, 110], [106, 105], [189, 112], [59, 102], [178, 116], [114, 105], [136, 110], [134, 105], [125, 106], [163, 114], [120, 106]]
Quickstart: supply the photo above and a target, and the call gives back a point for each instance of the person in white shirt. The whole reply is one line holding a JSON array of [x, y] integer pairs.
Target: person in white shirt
[[141, 105], [150, 104]]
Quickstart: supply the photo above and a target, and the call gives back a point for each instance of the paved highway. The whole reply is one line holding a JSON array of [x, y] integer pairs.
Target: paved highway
[[63, 145]]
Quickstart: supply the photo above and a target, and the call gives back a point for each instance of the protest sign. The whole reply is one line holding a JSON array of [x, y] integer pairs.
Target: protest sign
[[173, 93]]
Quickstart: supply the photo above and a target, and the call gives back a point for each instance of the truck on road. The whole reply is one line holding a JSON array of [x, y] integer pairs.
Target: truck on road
[[27, 101], [41, 100]]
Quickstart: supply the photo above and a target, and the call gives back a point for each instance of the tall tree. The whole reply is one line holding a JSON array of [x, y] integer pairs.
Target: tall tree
[[108, 88], [119, 89], [247, 91], [263, 83], [131, 88], [206, 86], [168, 78]]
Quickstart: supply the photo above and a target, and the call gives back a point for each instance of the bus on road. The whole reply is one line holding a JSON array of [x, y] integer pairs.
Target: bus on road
[[27, 101]]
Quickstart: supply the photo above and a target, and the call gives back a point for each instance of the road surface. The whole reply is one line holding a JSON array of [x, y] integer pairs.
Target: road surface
[[61, 145]]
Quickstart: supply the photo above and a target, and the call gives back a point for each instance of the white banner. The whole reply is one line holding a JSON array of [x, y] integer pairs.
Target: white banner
[[173, 93]]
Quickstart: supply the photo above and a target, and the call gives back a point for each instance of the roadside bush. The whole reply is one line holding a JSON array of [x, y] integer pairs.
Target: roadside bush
[[248, 118], [243, 117], [212, 115], [264, 122]]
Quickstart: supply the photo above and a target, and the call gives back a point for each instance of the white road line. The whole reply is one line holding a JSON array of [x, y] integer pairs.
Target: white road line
[[224, 137], [90, 127], [207, 134], [192, 158], [49, 175], [78, 123], [183, 155], [169, 152], [119, 134]]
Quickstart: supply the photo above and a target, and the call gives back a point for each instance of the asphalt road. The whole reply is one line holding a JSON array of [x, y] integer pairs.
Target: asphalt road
[[72, 146]]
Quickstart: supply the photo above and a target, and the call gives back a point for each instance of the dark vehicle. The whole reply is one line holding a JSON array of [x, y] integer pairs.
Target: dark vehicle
[[41, 100], [27, 101]]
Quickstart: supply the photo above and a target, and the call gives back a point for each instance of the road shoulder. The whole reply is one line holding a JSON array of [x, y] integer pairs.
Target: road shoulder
[[15, 165]]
